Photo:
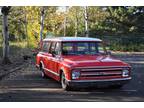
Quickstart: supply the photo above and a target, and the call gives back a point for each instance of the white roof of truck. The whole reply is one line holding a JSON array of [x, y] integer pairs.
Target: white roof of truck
[[63, 39]]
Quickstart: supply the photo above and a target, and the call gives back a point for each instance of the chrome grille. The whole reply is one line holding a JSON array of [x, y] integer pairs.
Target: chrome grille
[[101, 72]]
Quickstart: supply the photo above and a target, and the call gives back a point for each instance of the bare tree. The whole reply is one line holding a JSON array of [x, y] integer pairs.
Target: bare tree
[[42, 24], [5, 12], [86, 21], [76, 22], [65, 20], [25, 25]]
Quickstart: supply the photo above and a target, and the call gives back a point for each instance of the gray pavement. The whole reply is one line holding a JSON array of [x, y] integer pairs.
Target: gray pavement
[[27, 85]]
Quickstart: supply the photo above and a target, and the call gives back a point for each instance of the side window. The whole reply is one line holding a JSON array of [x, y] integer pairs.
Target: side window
[[57, 48], [45, 47], [49, 45], [52, 47], [93, 48], [100, 48]]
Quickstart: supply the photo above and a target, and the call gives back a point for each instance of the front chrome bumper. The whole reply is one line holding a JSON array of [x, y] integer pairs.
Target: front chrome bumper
[[99, 83]]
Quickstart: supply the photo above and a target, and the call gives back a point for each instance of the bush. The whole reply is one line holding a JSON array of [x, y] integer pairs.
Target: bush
[[125, 43]]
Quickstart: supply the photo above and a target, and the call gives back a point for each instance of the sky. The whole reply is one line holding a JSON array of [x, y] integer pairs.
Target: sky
[[63, 8]]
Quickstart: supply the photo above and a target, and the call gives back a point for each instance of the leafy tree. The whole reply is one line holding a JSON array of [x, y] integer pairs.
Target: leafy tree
[[126, 20], [75, 21], [24, 22]]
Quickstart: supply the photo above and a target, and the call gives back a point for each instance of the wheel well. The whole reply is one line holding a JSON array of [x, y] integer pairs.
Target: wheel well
[[61, 71], [40, 66]]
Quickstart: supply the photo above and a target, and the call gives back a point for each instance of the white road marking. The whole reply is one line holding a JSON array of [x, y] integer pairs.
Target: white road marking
[[59, 89], [136, 62], [32, 89], [129, 90]]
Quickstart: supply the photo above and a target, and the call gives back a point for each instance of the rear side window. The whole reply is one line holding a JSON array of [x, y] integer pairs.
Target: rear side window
[[52, 48], [57, 48], [46, 46]]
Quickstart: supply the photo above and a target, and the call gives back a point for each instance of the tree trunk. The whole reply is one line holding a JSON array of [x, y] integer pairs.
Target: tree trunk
[[25, 26], [42, 25], [76, 23], [6, 59], [65, 21], [65, 26], [86, 22]]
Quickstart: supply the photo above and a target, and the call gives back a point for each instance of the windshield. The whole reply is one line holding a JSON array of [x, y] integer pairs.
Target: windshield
[[82, 48]]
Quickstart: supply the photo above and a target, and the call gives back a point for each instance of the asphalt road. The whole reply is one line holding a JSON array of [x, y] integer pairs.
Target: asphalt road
[[27, 85]]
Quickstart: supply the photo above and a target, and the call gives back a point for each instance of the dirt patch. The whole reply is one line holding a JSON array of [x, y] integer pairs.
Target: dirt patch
[[17, 60]]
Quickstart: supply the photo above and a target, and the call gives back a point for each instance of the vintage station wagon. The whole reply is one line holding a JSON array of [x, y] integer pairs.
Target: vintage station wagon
[[81, 62]]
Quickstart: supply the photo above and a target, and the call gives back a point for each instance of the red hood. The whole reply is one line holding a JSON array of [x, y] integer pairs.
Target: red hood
[[83, 60]]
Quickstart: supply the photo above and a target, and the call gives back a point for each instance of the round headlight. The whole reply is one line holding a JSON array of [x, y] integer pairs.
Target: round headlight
[[75, 74], [125, 73]]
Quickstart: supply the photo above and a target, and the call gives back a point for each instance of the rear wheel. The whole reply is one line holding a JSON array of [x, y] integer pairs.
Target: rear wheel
[[64, 84]]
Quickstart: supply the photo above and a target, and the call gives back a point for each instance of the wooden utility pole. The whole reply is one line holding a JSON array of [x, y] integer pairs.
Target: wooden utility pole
[[86, 21], [5, 11], [42, 24]]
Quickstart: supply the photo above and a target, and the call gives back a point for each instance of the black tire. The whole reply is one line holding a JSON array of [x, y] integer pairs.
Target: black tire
[[43, 72], [64, 84]]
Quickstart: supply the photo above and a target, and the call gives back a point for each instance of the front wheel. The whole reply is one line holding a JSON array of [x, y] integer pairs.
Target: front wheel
[[64, 84], [43, 73]]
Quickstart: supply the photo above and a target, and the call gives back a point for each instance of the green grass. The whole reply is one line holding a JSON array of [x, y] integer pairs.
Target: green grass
[[16, 48], [19, 44]]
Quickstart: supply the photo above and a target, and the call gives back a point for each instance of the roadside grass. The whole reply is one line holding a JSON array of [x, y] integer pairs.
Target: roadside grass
[[14, 47], [17, 50]]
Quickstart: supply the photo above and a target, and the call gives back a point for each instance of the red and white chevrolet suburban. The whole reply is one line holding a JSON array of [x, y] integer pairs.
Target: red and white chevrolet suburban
[[81, 62]]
